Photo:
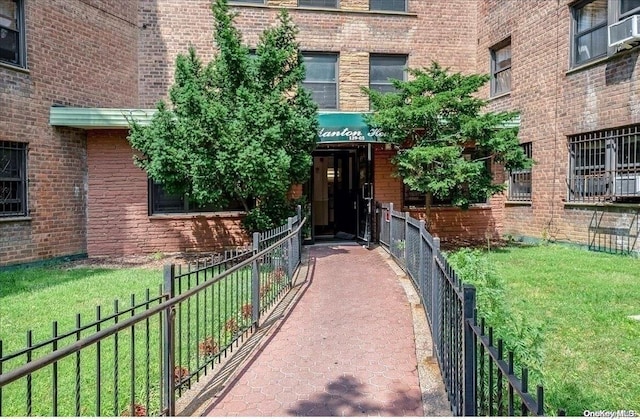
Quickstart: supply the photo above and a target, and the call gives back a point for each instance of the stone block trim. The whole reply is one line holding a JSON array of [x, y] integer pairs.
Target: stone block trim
[[118, 218]]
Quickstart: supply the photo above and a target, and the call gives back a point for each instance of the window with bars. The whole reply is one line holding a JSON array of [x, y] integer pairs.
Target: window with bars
[[501, 68], [13, 179], [388, 5], [12, 48], [605, 165], [331, 4], [383, 68], [162, 202], [322, 78], [520, 181]]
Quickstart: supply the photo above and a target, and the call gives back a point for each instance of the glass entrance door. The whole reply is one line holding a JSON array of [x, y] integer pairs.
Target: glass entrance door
[[365, 194], [334, 194]]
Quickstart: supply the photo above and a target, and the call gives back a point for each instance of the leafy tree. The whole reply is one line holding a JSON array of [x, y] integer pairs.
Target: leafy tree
[[432, 119], [238, 128]]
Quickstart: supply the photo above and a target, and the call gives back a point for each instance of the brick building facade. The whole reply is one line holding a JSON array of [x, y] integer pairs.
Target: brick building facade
[[72, 53], [578, 100], [84, 195]]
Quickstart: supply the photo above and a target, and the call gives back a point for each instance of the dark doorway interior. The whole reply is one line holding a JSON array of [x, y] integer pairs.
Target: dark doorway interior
[[338, 210]]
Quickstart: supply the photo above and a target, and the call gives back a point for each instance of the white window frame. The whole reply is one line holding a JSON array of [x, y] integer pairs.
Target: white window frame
[[336, 82], [500, 72]]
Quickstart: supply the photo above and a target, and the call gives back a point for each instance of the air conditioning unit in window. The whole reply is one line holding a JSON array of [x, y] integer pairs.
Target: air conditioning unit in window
[[624, 34], [627, 185]]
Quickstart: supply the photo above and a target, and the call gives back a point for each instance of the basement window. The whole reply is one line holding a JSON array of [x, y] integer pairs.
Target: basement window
[[605, 166], [162, 202], [520, 180], [13, 179]]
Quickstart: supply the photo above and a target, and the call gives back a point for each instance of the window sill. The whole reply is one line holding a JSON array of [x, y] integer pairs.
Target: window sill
[[448, 208], [15, 68], [601, 60], [500, 96], [192, 215], [576, 204], [518, 203], [14, 219], [324, 9]]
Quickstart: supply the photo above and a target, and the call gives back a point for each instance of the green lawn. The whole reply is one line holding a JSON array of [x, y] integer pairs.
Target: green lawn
[[31, 299], [583, 300]]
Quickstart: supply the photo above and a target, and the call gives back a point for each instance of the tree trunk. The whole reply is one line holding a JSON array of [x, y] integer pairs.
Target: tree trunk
[[428, 200]]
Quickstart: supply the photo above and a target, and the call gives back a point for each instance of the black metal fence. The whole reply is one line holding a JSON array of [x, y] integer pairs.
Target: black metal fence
[[137, 360], [478, 379]]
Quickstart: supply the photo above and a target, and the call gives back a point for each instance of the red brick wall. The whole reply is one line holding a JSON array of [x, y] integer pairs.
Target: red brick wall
[[79, 53], [118, 220], [555, 101], [450, 223]]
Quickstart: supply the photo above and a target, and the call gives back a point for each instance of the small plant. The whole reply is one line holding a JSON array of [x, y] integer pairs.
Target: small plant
[[247, 311], [231, 326], [208, 347], [138, 410], [280, 274], [180, 373], [265, 289], [157, 256]]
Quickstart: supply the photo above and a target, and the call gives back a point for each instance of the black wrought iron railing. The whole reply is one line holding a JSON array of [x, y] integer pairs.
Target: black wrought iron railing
[[478, 379], [137, 360]]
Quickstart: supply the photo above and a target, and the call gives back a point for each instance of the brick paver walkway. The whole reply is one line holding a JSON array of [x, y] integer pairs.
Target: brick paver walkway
[[346, 348]]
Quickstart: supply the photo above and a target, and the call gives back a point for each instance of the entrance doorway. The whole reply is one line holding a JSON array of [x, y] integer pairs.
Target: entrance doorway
[[341, 194]]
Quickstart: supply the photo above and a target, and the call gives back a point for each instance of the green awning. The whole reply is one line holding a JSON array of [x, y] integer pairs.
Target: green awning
[[346, 127], [335, 127]]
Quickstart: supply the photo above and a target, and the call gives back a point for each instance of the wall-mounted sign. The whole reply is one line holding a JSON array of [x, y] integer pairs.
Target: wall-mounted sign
[[346, 127]]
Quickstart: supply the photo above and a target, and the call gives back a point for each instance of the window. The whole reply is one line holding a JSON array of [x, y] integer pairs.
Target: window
[[332, 4], [605, 165], [12, 50], [382, 68], [13, 179], [322, 78], [501, 68], [161, 202], [392, 5], [520, 181], [589, 31], [629, 7]]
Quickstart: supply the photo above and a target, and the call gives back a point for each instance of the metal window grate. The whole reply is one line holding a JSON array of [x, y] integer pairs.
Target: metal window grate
[[605, 165], [520, 181], [13, 179]]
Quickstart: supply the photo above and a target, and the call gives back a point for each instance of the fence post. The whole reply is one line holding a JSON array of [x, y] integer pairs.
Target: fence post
[[300, 238], [406, 237], [168, 344], [391, 228], [255, 282], [435, 320], [421, 267], [469, 306], [290, 249]]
